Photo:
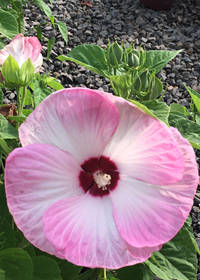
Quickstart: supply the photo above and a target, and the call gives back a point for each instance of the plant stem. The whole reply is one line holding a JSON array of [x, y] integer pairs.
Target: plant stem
[[104, 273], [22, 102], [18, 103]]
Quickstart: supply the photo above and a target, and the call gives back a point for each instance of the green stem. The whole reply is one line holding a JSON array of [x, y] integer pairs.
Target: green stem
[[22, 101], [2, 166], [18, 103], [104, 273]]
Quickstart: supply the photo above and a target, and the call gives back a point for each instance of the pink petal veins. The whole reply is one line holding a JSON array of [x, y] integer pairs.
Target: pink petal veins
[[36, 176]]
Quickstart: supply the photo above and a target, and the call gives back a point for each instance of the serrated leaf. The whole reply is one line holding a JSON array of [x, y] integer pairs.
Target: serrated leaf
[[50, 46], [159, 109], [16, 263], [89, 56], [187, 128], [63, 30], [157, 59], [44, 7], [45, 269], [40, 92], [7, 131], [52, 21], [8, 24]]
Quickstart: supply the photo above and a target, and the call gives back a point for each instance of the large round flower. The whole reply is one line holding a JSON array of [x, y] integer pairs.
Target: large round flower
[[98, 181], [21, 48]]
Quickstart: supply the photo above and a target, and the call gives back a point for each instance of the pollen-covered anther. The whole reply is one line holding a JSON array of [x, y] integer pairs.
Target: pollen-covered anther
[[102, 180]]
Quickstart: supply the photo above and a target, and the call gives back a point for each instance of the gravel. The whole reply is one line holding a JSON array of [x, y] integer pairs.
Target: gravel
[[130, 21]]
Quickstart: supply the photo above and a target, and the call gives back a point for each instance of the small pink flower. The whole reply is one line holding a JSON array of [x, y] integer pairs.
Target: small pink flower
[[21, 48], [98, 181]]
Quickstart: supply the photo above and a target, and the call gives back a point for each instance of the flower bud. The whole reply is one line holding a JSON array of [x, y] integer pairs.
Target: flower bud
[[133, 59], [114, 55], [14, 76], [142, 81]]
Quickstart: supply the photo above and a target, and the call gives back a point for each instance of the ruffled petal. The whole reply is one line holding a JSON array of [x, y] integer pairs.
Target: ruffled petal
[[143, 147], [36, 47], [149, 215], [18, 49], [76, 120], [83, 231], [36, 176]]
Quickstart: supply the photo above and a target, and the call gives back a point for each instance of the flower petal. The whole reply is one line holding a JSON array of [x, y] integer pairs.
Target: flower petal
[[149, 215], [143, 147], [36, 176], [18, 49], [78, 120], [82, 230]]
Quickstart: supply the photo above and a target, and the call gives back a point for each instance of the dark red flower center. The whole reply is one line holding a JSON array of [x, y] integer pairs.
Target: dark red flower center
[[99, 176]]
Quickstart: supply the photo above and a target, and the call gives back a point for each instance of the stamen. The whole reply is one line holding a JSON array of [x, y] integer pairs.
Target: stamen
[[102, 180]]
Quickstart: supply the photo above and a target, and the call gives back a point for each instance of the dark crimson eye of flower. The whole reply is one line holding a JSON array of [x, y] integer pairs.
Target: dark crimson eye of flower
[[98, 181]]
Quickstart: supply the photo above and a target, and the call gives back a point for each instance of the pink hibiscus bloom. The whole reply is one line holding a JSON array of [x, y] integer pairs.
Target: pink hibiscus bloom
[[21, 48], [98, 181]]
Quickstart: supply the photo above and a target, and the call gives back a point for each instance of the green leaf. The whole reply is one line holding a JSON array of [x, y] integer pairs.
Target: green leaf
[[53, 83], [177, 258], [174, 107], [89, 56], [17, 119], [188, 227], [39, 32], [130, 272], [50, 46], [159, 109], [143, 107], [44, 7], [69, 271], [195, 97], [63, 30], [3, 203], [28, 97], [8, 24], [7, 131], [147, 273], [2, 44], [187, 128], [4, 3], [16, 263], [45, 269], [52, 21], [17, 6], [27, 112], [156, 60], [7, 236], [40, 92], [5, 147], [157, 88]]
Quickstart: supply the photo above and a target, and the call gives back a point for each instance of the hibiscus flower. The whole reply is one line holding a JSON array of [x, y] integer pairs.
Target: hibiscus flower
[[98, 181]]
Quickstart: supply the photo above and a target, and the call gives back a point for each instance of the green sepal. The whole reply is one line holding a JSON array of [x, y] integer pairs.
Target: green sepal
[[26, 73], [10, 72]]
